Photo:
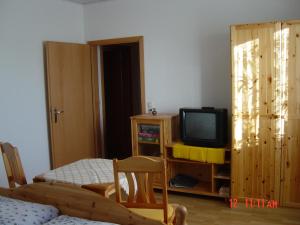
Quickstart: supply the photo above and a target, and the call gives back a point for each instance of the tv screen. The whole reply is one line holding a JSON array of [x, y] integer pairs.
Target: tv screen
[[200, 126], [205, 127]]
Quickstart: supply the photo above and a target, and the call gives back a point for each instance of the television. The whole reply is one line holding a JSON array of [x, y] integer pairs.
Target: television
[[205, 127]]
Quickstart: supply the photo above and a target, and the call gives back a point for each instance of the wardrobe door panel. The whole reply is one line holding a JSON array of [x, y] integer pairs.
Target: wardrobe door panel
[[256, 120], [291, 111]]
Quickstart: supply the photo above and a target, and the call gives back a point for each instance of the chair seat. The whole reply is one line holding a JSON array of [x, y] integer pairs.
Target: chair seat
[[155, 214]]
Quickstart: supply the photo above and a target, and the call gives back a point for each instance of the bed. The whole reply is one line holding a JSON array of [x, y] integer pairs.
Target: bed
[[49, 204]]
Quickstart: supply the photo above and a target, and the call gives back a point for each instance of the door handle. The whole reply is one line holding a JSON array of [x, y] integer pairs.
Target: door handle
[[56, 114]]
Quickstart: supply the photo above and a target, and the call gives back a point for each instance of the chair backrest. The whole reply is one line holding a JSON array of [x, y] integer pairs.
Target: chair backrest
[[140, 172], [13, 166]]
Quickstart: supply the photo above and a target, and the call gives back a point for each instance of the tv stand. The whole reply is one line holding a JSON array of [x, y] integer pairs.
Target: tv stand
[[157, 135], [214, 179]]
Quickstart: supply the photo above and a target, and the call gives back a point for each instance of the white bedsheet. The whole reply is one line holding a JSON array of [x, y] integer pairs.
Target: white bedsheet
[[86, 171]]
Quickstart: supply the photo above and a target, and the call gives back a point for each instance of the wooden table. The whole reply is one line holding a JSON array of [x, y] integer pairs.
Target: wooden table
[[92, 174]]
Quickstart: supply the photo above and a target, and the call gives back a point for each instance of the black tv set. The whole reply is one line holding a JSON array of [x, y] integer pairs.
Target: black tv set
[[205, 127]]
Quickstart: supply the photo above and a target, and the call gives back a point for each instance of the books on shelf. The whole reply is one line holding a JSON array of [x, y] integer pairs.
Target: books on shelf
[[149, 139], [149, 133]]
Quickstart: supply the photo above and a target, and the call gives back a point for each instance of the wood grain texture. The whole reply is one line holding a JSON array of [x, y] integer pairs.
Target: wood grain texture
[[70, 90], [291, 108], [169, 132], [96, 103], [142, 195], [266, 111], [204, 211], [142, 74], [169, 128], [255, 115], [77, 202], [104, 189], [13, 166], [114, 41]]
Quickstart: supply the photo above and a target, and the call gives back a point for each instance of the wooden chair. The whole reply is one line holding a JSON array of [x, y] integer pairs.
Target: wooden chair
[[141, 198], [13, 166]]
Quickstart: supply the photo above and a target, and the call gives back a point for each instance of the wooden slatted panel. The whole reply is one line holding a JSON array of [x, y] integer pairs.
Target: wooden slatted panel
[[150, 188], [291, 107], [277, 121], [131, 186], [144, 170], [141, 194], [254, 111]]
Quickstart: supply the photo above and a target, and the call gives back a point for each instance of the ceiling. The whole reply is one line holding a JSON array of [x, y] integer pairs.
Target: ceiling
[[86, 1]]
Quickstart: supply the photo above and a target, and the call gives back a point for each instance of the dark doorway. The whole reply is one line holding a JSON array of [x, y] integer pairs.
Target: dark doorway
[[122, 96]]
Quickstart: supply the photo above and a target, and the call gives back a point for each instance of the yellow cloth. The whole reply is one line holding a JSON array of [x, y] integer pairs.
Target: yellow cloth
[[202, 154], [155, 214], [216, 155], [198, 154], [181, 151]]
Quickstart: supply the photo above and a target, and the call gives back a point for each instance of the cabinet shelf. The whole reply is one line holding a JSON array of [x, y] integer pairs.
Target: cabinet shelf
[[173, 160], [149, 142], [222, 177]]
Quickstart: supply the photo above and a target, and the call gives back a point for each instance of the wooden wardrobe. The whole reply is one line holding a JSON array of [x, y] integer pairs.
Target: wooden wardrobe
[[266, 111]]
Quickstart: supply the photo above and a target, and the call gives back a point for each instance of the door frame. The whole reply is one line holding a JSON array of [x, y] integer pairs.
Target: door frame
[[94, 59]]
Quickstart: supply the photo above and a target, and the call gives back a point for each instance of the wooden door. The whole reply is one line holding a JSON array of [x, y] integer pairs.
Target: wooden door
[[70, 102], [256, 121], [291, 111]]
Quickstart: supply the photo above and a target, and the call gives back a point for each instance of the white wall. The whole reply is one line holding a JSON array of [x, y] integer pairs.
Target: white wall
[[24, 25], [186, 55], [187, 48]]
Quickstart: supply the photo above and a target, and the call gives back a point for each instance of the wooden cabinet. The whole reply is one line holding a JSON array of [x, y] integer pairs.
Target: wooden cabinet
[[266, 111], [156, 135], [150, 134]]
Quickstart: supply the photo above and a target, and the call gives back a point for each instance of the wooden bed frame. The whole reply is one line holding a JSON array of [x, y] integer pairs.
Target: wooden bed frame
[[79, 202]]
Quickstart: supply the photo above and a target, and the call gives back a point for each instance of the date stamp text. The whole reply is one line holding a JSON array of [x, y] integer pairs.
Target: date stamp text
[[253, 203]]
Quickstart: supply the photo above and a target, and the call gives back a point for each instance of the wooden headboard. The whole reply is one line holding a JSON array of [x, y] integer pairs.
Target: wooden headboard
[[79, 202]]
